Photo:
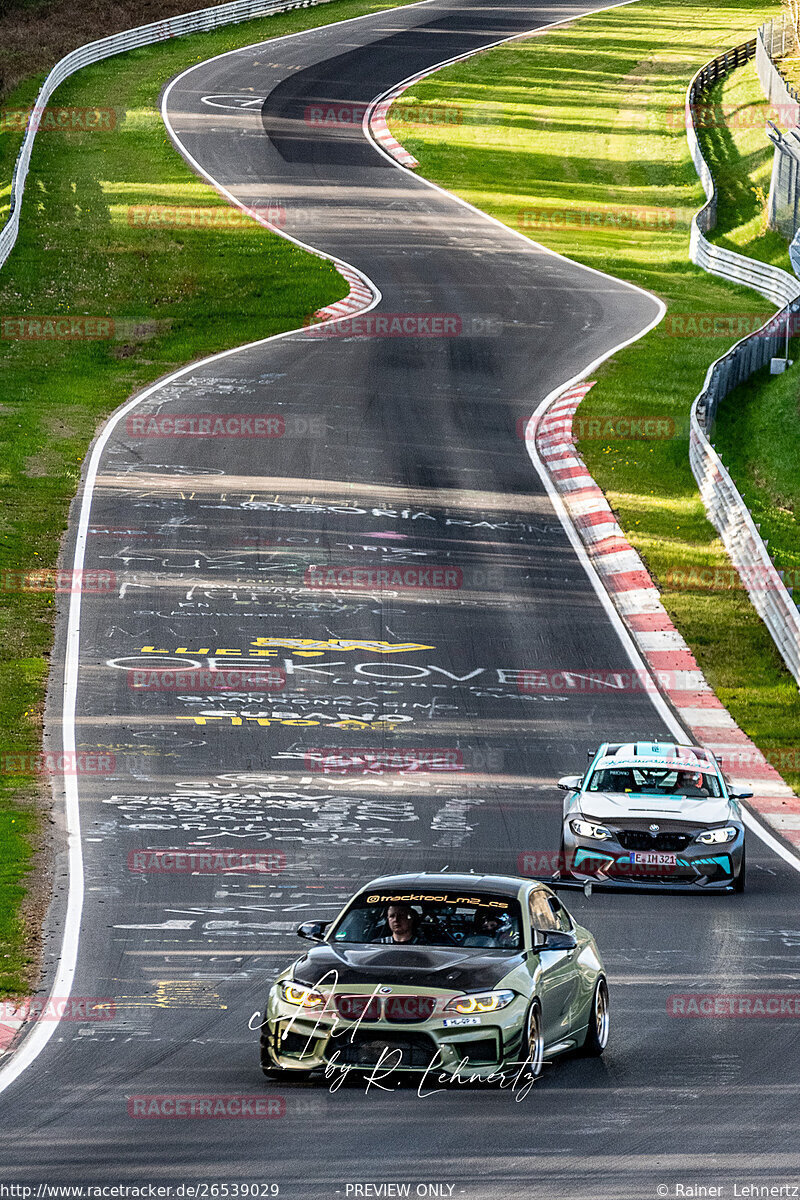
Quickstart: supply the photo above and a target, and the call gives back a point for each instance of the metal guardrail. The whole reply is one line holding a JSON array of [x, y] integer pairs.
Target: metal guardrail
[[726, 509], [778, 286], [143, 35]]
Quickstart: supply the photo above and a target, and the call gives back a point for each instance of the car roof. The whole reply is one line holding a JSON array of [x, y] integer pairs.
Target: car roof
[[669, 755], [504, 885]]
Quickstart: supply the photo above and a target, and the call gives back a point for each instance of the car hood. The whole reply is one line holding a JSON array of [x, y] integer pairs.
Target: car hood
[[407, 966], [616, 806]]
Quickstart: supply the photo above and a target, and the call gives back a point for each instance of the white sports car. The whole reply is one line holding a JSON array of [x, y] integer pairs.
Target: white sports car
[[653, 814]]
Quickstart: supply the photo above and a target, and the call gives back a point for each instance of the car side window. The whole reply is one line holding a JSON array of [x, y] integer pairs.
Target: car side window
[[542, 916], [563, 919]]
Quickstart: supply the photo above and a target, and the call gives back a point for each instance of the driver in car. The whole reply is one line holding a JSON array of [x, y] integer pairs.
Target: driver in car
[[691, 783], [403, 921]]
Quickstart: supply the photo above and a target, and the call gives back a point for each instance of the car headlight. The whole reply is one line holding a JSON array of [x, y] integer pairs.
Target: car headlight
[[588, 829], [480, 1002], [303, 997], [712, 837]]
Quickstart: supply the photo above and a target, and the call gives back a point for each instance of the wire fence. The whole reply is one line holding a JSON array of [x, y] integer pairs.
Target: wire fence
[[778, 38], [726, 509], [774, 40]]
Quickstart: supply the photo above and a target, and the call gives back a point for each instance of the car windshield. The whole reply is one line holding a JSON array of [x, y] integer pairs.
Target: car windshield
[[655, 781], [447, 918]]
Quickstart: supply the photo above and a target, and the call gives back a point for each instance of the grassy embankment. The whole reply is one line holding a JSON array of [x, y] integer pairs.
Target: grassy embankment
[[585, 126]]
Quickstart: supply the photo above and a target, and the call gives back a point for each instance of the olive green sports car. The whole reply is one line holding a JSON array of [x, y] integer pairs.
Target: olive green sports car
[[468, 976]]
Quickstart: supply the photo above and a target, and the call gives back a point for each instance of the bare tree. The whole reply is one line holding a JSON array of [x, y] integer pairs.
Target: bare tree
[[792, 10]]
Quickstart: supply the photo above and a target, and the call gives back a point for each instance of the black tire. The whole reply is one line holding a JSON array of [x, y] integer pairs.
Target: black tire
[[597, 1033], [533, 1042], [740, 879]]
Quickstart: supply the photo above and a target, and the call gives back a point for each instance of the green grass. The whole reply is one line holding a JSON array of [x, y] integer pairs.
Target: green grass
[[789, 64], [170, 295], [587, 121], [757, 434], [18, 832], [740, 155]]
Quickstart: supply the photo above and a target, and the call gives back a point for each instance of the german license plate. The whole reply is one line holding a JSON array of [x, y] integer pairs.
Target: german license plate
[[652, 858]]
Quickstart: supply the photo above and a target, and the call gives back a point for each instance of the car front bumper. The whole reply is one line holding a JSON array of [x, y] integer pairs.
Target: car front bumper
[[609, 864], [300, 1040]]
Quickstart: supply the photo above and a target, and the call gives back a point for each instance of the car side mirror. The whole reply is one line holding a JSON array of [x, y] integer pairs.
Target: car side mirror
[[570, 783], [554, 939], [741, 795], [313, 930]]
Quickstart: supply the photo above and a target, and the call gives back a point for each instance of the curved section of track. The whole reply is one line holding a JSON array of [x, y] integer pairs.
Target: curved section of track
[[396, 453]]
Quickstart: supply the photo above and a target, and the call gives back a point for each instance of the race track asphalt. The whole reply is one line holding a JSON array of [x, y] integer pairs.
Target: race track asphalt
[[394, 452]]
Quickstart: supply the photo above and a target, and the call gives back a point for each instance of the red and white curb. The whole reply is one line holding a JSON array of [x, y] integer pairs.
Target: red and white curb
[[11, 1021], [357, 299], [638, 601], [374, 123], [381, 133]]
